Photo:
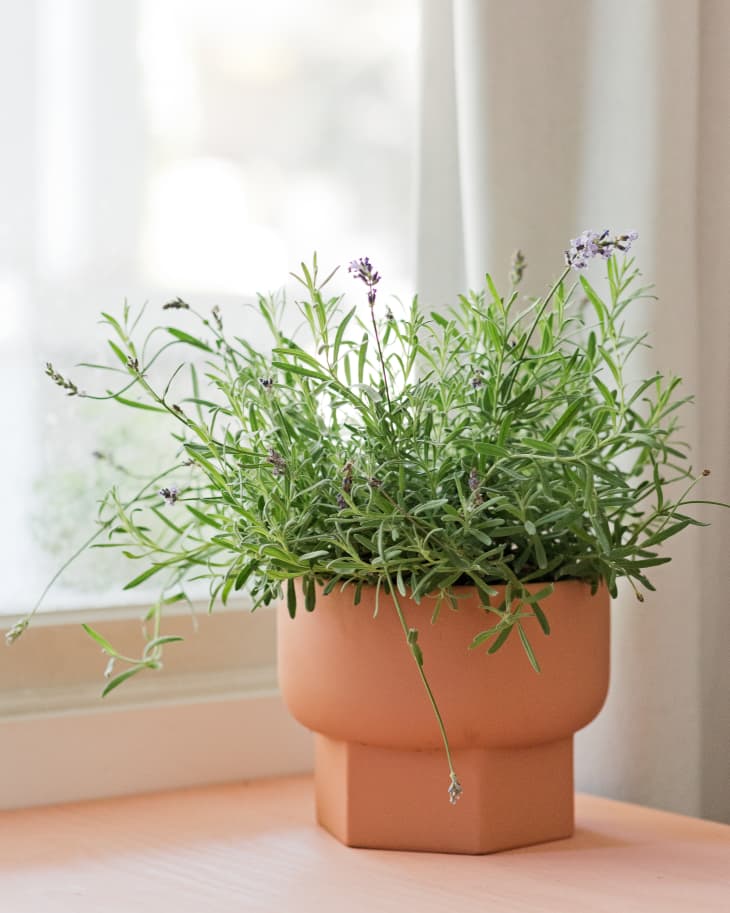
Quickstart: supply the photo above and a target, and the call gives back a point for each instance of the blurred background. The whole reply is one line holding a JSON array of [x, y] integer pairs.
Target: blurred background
[[203, 148]]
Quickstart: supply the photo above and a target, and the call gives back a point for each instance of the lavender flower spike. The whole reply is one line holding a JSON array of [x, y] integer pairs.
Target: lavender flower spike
[[363, 269], [590, 244]]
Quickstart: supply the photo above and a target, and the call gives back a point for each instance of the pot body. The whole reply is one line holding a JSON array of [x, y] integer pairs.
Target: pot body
[[381, 774]]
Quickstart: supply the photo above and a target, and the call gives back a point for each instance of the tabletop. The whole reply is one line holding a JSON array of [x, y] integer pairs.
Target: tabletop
[[255, 847]]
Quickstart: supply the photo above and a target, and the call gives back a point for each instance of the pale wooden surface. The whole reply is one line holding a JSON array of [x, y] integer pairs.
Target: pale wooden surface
[[255, 847]]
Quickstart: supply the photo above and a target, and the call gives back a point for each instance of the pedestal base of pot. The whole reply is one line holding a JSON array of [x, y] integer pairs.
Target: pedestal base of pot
[[393, 799]]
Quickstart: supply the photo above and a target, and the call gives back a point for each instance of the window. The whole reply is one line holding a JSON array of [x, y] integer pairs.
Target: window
[[160, 149]]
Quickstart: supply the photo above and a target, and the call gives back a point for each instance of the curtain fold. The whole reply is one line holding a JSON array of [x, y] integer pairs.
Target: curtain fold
[[556, 117]]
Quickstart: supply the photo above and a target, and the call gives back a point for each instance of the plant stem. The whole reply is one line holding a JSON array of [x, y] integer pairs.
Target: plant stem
[[380, 357], [90, 540], [437, 713], [526, 339]]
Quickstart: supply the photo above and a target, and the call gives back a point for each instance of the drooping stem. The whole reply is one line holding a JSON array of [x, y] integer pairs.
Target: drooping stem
[[18, 629], [455, 789]]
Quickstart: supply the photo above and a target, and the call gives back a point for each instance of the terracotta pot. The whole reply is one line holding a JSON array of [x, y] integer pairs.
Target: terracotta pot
[[381, 774]]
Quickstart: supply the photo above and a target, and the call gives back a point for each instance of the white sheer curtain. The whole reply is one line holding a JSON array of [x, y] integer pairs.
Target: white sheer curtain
[[539, 120]]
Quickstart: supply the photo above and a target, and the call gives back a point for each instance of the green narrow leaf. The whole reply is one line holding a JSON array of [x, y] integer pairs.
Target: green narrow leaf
[[118, 352], [227, 587], [310, 596], [134, 404], [291, 598], [318, 553], [485, 635], [537, 444], [243, 575], [493, 289], [610, 364], [658, 486], [289, 561], [166, 520], [532, 598], [331, 584], [564, 420], [429, 506], [528, 647], [594, 298], [187, 338], [145, 575], [539, 551], [301, 370], [361, 357], [501, 639], [117, 681], [159, 641], [605, 393], [114, 323], [541, 617], [204, 518], [102, 641], [341, 331]]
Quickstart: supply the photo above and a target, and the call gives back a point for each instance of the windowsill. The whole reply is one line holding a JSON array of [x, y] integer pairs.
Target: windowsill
[[255, 847], [213, 715]]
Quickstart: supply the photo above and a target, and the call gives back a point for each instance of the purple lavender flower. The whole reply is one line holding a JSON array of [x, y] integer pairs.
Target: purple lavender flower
[[623, 242], [590, 244], [277, 461], [346, 484], [169, 495], [475, 484], [363, 269]]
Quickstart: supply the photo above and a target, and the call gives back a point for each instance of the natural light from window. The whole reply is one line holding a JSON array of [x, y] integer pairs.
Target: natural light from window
[[158, 149]]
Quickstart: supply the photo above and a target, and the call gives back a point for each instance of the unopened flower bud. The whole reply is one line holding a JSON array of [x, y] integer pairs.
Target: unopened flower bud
[[177, 304], [15, 632], [455, 790]]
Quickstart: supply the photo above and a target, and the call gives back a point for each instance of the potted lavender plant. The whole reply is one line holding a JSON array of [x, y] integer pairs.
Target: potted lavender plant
[[416, 490]]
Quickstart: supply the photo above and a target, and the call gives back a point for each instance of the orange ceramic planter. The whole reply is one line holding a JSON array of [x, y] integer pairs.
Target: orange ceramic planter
[[381, 774]]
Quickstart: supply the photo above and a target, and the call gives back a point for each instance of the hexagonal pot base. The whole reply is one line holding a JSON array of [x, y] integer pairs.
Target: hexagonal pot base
[[392, 799]]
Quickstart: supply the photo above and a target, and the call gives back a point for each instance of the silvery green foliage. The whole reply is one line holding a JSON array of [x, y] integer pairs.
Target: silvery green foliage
[[496, 443]]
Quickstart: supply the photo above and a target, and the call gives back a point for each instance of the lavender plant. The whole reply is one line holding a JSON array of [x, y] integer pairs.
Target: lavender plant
[[497, 443]]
